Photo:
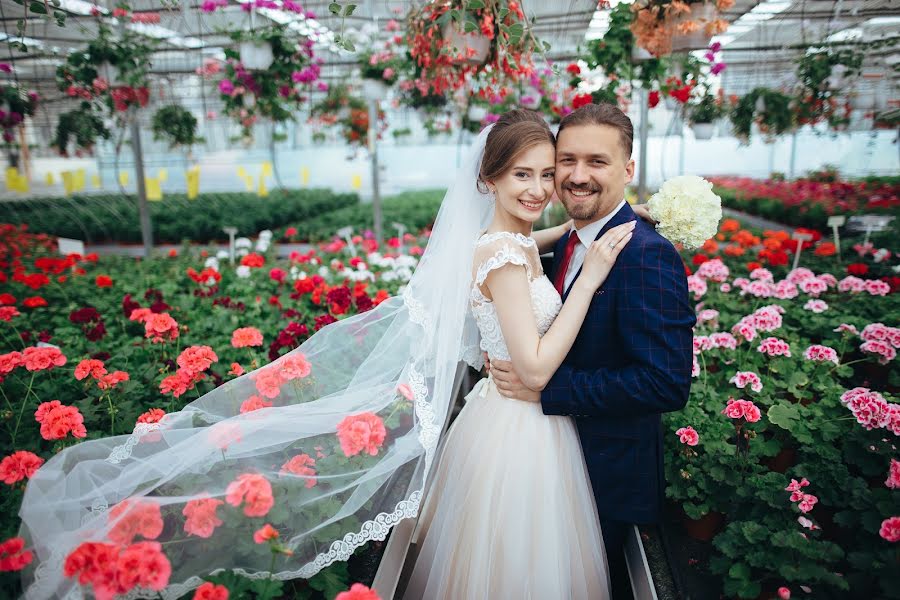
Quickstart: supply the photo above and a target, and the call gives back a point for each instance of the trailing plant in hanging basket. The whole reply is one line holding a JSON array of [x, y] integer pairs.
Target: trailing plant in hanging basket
[[81, 126], [658, 22], [175, 125], [769, 109], [447, 38], [111, 71], [614, 52], [706, 110], [15, 105], [347, 112], [821, 75]]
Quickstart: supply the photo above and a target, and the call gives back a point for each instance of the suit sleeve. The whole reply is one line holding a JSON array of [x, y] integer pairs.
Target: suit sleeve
[[656, 322]]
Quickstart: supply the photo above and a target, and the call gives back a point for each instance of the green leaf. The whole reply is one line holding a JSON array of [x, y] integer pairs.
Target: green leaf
[[348, 45], [783, 415], [501, 14], [348, 10], [331, 581], [470, 27], [739, 571], [335, 9], [474, 4], [515, 33]]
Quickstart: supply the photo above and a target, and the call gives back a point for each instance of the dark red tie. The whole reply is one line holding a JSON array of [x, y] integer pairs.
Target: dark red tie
[[564, 264]]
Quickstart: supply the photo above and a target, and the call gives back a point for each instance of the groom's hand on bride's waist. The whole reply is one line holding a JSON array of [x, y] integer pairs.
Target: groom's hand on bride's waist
[[509, 384]]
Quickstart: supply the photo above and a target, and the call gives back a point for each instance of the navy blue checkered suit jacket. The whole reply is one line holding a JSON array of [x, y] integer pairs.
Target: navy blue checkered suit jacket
[[630, 363]]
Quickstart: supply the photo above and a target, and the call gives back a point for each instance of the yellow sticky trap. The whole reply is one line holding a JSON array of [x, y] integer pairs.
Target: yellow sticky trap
[[163, 175], [356, 182], [68, 182], [48, 179], [95, 181], [154, 192], [304, 176], [266, 169], [78, 182], [262, 191], [248, 183], [12, 178], [193, 182], [123, 178], [242, 172]]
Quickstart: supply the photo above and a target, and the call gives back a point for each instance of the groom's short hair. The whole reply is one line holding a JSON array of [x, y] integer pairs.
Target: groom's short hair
[[602, 114]]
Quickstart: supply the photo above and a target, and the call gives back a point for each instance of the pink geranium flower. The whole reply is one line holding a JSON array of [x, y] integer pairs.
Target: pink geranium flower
[[743, 379], [890, 529], [254, 491], [201, 516], [245, 337], [687, 435], [364, 432]]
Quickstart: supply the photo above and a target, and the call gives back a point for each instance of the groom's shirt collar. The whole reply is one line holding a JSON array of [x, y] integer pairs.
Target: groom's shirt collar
[[589, 233]]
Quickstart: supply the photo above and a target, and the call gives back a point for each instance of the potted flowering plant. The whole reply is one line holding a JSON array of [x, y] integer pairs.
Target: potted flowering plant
[[111, 71], [618, 54], [769, 109], [822, 74], [176, 125], [348, 112], [15, 105], [81, 126], [663, 26], [452, 41], [703, 113], [383, 64], [275, 92]]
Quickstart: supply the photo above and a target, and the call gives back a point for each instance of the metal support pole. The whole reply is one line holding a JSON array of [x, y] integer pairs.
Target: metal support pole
[[642, 172], [143, 207], [793, 154], [376, 184]]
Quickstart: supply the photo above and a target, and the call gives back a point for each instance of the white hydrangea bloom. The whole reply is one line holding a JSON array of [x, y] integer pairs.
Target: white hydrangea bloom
[[243, 242], [686, 210], [212, 262], [243, 271], [222, 254]]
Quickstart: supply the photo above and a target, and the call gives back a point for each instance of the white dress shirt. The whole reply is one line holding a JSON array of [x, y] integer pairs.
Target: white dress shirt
[[587, 235]]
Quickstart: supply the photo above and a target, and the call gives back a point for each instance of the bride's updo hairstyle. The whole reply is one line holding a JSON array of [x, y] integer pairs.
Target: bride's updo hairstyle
[[515, 132]]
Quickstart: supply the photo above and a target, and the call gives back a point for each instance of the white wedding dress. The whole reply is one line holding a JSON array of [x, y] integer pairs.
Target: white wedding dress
[[511, 512]]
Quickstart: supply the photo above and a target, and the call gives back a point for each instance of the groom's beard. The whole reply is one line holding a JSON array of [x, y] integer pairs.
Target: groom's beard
[[581, 210]]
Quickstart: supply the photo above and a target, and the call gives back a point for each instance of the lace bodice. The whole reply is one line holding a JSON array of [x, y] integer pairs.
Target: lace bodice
[[492, 251]]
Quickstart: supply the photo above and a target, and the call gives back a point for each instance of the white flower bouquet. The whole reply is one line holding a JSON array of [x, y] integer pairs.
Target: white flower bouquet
[[686, 211]]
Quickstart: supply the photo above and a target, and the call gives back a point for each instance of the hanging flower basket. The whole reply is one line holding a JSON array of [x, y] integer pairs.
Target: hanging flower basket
[[693, 30], [703, 131], [373, 89], [472, 48], [455, 42], [256, 56]]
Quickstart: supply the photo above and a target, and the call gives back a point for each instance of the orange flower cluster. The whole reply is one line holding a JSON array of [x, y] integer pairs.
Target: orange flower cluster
[[656, 22]]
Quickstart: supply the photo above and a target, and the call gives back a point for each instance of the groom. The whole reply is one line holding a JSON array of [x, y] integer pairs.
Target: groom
[[632, 358]]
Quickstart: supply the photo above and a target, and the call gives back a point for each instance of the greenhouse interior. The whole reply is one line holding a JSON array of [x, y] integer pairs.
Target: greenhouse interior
[[257, 267]]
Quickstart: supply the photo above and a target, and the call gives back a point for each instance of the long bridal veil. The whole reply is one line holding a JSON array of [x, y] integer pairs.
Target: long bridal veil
[[330, 445]]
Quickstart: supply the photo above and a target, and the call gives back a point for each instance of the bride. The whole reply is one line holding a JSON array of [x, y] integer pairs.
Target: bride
[[511, 513], [283, 471]]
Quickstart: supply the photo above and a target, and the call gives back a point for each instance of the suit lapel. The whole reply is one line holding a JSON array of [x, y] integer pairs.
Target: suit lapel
[[624, 215]]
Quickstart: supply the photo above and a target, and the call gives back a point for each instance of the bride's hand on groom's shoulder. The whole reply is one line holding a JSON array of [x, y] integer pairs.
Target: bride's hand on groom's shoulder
[[509, 384], [643, 213]]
